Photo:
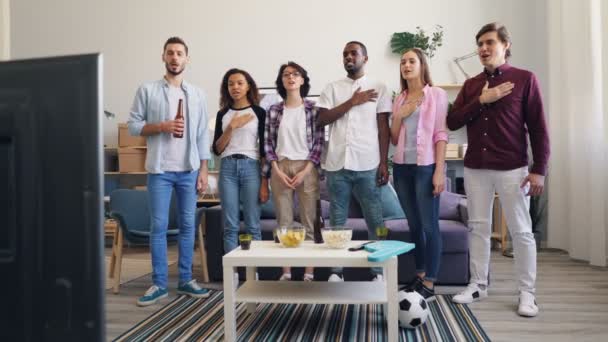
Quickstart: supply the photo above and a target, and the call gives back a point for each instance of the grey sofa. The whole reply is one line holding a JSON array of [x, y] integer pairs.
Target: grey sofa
[[454, 269]]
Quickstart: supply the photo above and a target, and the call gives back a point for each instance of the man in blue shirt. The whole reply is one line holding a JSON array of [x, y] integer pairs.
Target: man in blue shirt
[[178, 150]]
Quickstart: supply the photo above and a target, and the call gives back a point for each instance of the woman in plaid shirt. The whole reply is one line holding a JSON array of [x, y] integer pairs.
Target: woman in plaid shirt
[[293, 153]]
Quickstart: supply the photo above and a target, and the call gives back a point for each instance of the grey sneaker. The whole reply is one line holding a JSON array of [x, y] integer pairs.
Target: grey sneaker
[[192, 289], [153, 295]]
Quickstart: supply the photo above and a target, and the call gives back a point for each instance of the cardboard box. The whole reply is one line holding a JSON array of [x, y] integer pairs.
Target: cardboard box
[[126, 140], [451, 151], [451, 147], [451, 154], [463, 150], [131, 159]]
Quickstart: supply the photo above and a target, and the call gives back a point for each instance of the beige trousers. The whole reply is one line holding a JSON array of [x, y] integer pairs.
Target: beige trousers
[[308, 193]]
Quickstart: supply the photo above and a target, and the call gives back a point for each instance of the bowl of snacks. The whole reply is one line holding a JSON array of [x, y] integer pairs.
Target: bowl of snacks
[[290, 237], [337, 236]]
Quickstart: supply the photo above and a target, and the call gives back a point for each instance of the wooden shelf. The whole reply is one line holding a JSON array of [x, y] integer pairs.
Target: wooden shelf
[[449, 86], [114, 148], [453, 159], [139, 147]]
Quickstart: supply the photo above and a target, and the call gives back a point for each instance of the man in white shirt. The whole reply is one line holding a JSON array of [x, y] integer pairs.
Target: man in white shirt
[[356, 110]]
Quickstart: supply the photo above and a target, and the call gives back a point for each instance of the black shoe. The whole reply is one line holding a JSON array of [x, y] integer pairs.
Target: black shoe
[[427, 293], [413, 285]]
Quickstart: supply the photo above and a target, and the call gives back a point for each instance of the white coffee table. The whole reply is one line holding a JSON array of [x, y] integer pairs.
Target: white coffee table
[[268, 253]]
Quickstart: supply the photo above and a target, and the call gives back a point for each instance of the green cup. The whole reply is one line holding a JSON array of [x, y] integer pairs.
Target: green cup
[[381, 233], [245, 241]]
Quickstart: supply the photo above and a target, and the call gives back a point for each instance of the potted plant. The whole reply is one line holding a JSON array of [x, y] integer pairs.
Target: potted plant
[[401, 41]]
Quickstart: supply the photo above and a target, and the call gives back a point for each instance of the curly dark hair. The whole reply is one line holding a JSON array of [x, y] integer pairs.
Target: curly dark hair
[[253, 94], [304, 89]]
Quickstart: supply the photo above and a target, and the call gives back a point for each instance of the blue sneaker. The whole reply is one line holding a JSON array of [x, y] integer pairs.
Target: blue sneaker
[[153, 295], [192, 289]]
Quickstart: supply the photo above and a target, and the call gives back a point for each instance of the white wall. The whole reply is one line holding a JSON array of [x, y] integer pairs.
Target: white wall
[[604, 11], [4, 30], [260, 35]]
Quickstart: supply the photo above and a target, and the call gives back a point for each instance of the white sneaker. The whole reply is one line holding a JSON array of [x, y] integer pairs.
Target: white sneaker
[[378, 277], [333, 278], [527, 305], [285, 277], [471, 294]]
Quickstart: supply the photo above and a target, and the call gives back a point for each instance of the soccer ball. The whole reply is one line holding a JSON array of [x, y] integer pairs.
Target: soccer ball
[[413, 309]]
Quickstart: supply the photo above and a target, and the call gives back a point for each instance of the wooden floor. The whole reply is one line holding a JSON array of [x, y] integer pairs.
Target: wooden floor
[[572, 296]]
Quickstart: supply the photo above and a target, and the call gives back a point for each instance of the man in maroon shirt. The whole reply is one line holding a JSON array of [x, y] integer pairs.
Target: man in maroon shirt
[[501, 107]]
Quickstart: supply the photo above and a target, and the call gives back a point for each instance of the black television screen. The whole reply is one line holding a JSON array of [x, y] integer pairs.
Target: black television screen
[[51, 246]]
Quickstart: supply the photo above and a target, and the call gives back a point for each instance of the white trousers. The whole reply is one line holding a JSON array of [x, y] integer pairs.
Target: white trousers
[[480, 186]]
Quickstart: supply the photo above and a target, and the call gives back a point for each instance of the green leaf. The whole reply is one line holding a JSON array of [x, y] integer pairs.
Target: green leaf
[[402, 41]]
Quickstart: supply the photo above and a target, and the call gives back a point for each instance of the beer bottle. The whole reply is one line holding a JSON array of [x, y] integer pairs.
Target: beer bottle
[[179, 116], [319, 223]]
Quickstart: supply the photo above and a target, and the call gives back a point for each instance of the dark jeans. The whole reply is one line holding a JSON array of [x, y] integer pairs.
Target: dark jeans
[[414, 186]]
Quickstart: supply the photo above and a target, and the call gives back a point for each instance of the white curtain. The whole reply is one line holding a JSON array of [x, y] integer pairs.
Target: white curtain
[[577, 182]]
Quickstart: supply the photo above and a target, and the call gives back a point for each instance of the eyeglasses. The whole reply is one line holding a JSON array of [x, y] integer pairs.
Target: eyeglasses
[[295, 74]]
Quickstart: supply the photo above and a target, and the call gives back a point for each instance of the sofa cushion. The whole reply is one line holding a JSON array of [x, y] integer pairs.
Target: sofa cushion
[[267, 210], [325, 209], [454, 234], [391, 208], [448, 206]]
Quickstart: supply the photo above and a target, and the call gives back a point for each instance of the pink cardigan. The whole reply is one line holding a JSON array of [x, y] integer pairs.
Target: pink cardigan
[[431, 125]]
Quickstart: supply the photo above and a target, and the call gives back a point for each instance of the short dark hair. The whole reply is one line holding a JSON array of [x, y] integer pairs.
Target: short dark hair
[[253, 94], [363, 47], [501, 31], [175, 40], [304, 89]]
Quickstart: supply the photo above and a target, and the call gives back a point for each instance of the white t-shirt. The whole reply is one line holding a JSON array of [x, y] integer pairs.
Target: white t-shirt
[[245, 139], [291, 138], [353, 139], [176, 150]]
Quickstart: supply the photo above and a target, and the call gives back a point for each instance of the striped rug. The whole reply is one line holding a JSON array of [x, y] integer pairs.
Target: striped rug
[[188, 319]]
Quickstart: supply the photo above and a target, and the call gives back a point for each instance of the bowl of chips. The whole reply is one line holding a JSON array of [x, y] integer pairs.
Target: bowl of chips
[[337, 236], [290, 237]]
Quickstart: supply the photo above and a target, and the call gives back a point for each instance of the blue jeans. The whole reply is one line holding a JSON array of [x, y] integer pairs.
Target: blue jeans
[[414, 187], [160, 187], [362, 184], [239, 186]]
